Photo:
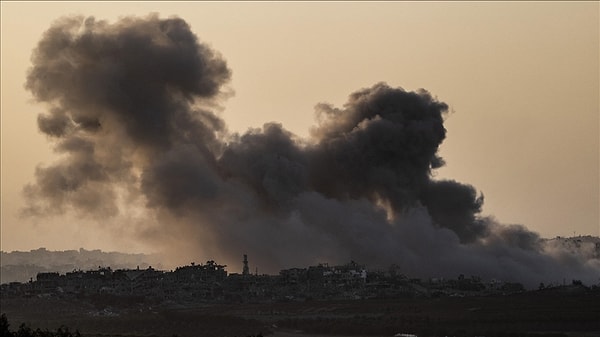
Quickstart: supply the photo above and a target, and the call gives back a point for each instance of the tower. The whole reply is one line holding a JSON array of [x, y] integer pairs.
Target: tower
[[246, 270]]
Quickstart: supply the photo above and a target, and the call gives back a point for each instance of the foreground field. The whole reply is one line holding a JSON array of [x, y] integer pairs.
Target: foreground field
[[554, 312]]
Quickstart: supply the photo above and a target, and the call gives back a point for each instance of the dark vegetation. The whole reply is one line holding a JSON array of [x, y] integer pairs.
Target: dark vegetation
[[552, 312], [556, 312], [131, 320], [26, 331]]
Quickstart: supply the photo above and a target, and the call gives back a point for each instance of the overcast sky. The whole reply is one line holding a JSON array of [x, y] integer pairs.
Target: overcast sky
[[521, 80]]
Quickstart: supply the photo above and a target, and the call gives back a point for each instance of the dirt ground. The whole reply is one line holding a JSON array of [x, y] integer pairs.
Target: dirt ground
[[534, 314]]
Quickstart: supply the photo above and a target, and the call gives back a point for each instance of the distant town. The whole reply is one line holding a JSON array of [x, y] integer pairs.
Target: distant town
[[69, 273], [210, 282], [342, 299]]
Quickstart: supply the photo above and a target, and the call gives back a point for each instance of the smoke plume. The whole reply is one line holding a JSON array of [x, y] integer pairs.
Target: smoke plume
[[130, 112]]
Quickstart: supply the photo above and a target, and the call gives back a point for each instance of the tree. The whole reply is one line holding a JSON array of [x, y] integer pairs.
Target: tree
[[4, 332], [26, 331]]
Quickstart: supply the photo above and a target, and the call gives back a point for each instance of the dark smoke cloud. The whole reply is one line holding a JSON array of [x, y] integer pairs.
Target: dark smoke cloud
[[179, 177], [55, 124], [269, 162], [385, 142], [455, 206], [130, 112], [122, 98]]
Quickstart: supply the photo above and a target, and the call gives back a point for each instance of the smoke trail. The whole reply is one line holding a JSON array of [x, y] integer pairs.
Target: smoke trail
[[130, 111]]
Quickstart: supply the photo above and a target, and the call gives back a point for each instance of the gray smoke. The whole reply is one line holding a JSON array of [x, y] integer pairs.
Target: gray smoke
[[122, 108], [130, 112]]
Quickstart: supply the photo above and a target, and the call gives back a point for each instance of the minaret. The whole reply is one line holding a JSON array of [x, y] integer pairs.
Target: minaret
[[246, 270]]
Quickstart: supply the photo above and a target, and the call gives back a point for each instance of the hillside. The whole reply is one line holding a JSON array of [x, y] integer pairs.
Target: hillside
[[20, 266]]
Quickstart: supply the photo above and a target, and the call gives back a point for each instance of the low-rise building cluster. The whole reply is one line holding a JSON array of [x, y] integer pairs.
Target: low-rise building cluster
[[210, 282]]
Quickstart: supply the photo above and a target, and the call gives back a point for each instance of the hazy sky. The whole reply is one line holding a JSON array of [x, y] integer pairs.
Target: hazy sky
[[521, 79]]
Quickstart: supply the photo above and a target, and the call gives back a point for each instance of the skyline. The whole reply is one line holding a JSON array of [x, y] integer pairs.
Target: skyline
[[543, 170]]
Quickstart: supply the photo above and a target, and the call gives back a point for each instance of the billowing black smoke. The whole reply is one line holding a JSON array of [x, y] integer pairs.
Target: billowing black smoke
[[130, 112], [384, 141], [122, 98]]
